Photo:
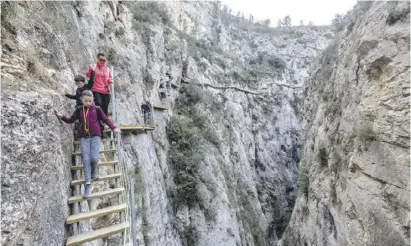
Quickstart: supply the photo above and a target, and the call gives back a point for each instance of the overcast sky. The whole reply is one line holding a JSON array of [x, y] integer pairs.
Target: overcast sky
[[320, 12]]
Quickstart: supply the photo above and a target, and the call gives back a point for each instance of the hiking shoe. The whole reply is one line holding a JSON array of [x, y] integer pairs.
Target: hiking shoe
[[87, 190]]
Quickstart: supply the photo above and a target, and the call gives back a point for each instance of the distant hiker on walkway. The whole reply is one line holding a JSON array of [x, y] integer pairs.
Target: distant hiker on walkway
[[170, 79], [90, 132], [146, 109], [80, 80], [162, 92], [100, 81]]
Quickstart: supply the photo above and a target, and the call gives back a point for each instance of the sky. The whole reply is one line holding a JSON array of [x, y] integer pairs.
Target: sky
[[320, 12]]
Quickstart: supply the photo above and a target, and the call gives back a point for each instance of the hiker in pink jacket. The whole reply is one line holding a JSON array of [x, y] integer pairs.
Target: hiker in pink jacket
[[100, 77]]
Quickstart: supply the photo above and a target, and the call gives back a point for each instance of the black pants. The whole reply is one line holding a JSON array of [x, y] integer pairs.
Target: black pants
[[102, 100]]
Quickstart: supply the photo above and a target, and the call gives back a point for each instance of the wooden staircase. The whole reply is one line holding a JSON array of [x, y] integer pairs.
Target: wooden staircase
[[77, 216]]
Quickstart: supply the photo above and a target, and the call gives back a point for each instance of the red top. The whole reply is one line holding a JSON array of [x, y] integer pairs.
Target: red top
[[102, 78]]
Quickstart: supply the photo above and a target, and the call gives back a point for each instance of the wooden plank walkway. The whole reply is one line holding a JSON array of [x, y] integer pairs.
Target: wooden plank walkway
[[160, 107]]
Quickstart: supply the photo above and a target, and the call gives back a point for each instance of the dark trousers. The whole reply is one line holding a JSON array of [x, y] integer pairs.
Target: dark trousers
[[102, 100]]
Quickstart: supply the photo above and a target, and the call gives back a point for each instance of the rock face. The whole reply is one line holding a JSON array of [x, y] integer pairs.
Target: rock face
[[247, 77], [354, 172], [221, 166]]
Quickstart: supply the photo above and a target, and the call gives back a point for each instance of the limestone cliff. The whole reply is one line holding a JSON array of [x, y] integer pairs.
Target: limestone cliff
[[221, 166], [354, 171]]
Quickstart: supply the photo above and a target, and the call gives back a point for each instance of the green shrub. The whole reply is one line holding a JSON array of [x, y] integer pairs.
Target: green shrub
[[303, 181], [190, 236], [112, 56], [250, 218], [8, 14], [190, 95], [277, 63], [210, 214], [323, 157], [203, 66], [149, 12], [184, 156], [236, 75], [148, 79], [120, 88], [146, 35], [366, 131], [332, 109], [328, 60], [221, 63], [32, 67], [120, 32], [257, 232], [282, 223], [189, 134]]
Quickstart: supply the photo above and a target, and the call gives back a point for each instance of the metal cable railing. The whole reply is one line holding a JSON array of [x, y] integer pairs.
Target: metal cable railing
[[124, 178]]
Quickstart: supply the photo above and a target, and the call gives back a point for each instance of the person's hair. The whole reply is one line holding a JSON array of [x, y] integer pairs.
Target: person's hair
[[79, 78], [100, 54], [87, 93]]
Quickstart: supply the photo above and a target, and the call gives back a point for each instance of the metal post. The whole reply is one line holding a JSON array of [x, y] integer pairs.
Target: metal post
[[113, 99], [133, 211]]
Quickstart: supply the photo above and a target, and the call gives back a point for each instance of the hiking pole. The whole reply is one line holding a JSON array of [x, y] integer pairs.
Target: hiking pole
[[58, 117]]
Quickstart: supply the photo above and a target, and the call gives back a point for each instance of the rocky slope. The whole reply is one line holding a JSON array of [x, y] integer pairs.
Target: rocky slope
[[221, 165], [354, 172], [241, 106]]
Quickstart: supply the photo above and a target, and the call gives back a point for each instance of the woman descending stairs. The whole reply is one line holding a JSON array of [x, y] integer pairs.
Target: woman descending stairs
[[116, 188]]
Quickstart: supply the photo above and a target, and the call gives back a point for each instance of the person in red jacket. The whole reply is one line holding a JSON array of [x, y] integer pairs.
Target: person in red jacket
[[101, 79]]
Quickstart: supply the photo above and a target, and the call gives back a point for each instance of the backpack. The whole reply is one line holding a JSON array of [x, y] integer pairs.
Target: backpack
[[99, 118], [91, 80]]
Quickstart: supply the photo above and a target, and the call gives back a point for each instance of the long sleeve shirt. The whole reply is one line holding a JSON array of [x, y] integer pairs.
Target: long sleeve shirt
[[89, 121], [102, 79], [77, 96]]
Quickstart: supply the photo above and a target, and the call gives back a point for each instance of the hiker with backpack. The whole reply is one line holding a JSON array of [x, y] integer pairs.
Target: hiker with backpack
[[162, 92], [170, 79], [100, 81], [90, 131], [146, 109]]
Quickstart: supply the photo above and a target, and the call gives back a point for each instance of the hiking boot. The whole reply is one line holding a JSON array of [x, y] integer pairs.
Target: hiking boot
[[87, 190]]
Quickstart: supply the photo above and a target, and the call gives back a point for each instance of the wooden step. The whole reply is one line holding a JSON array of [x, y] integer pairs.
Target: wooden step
[[160, 107], [105, 140], [102, 178], [95, 195], [136, 127], [93, 235], [101, 164], [101, 152], [95, 214]]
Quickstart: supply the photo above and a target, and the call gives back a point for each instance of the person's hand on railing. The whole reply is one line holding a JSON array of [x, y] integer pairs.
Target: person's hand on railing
[[117, 130]]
